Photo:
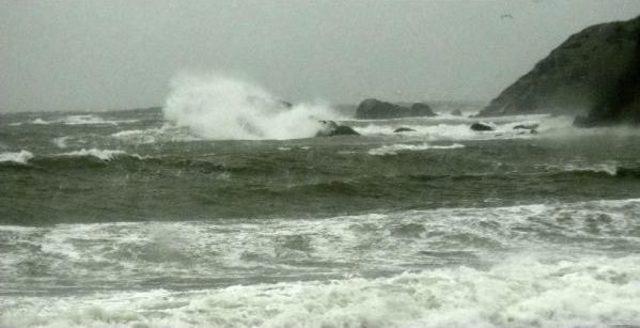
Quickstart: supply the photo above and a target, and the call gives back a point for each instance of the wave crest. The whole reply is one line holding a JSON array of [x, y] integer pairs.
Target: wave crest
[[215, 107], [105, 155], [395, 148], [21, 157], [86, 119]]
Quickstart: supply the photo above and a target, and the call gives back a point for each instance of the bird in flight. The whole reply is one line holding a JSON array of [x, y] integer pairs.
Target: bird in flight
[[506, 16]]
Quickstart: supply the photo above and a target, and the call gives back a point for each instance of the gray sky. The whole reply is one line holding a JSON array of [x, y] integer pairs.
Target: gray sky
[[111, 54]]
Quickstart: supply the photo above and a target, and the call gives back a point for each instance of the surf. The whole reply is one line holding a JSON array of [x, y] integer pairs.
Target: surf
[[223, 108]]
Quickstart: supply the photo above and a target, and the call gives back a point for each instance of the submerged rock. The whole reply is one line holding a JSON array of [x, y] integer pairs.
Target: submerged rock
[[456, 112], [532, 128], [526, 126], [403, 129], [331, 128], [481, 127], [376, 109]]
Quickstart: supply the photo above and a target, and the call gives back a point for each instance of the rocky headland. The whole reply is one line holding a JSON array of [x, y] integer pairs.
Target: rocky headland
[[594, 72]]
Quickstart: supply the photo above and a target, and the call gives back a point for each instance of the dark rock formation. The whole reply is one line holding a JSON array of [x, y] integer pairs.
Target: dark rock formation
[[421, 109], [376, 109], [403, 129], [343, 130], [589, 72], [456, 112], [531, 128], [622, 105], [331, 128], [481, 127], [526, 126]]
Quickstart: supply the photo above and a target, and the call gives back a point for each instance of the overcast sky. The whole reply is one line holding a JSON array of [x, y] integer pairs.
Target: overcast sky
[[110, 54]]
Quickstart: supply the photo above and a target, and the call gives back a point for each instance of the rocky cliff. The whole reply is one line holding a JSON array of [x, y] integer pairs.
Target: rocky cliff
[[594, 71]]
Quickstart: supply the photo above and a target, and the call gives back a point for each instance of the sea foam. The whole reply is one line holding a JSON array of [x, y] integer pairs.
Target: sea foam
[[85, 119], [532, 273], [215, 107], [21, 157], [395, 148], [590, 291], [105, 155]]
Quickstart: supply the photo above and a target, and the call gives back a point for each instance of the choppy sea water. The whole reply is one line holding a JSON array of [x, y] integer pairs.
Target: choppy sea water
[[121, 219]]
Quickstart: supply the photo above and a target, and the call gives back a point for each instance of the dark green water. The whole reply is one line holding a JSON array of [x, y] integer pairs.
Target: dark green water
[[177, 180], [119, 219]]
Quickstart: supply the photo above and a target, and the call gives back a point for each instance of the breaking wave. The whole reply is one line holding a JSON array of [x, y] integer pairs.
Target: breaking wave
[[607, 168], [20, 157], [216, 107], [105, 155], [24, 157], [610, 168], [394, 149], [76, 120], [446, 128], [467, 270], [165, 133], [589, 292]]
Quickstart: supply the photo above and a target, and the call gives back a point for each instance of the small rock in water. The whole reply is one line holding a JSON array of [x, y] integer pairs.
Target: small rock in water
[[456, 112], [531, 127], [526, 126], [343, 130], [331, 128], [403, 129], [481, 127]]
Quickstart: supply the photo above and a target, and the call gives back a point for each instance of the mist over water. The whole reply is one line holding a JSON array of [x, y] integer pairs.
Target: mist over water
[[218, 107]]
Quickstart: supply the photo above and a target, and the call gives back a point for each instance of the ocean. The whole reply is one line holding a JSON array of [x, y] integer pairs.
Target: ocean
[[129, 219]]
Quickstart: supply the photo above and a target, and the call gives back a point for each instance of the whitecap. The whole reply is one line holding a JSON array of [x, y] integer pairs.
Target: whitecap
[[105, 155], [611, 168], [395, 148], [61, 142], [76, 120], [91, 119], [165, 133], [608, 167], [40, 121], [21, 157]]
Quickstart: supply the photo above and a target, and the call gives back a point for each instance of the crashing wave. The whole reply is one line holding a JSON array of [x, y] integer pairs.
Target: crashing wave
[[591, 291], [215, 107], [561, 286], [445, 128]]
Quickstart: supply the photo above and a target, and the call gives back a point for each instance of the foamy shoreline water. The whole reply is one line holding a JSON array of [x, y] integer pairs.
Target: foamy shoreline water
[[546, 265], [587, 291]]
